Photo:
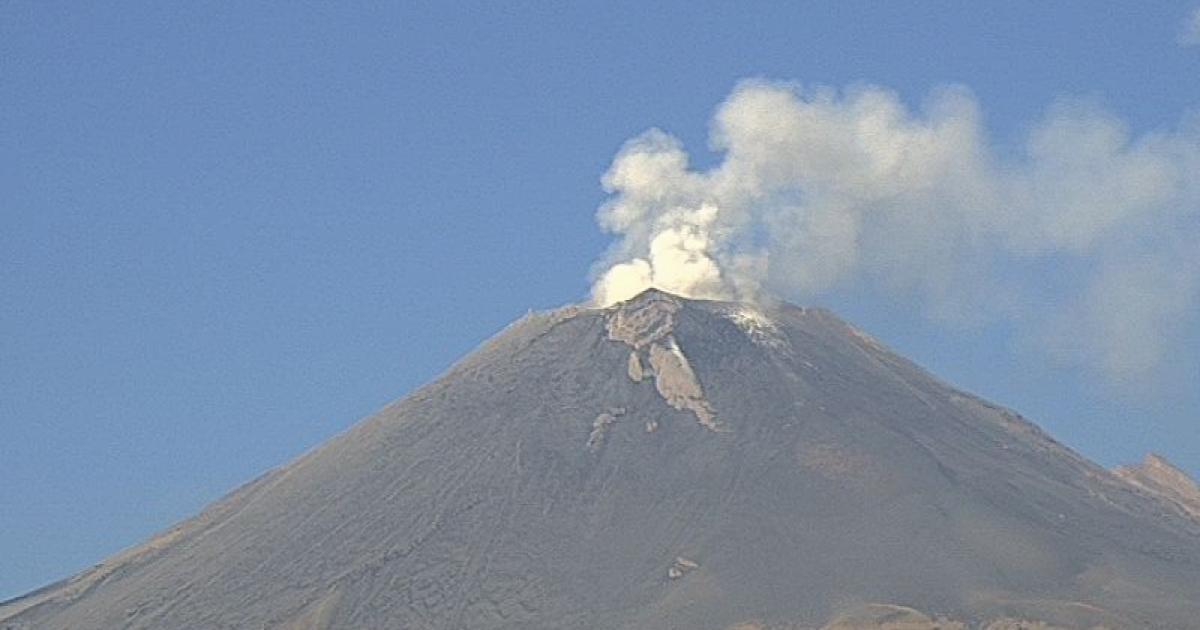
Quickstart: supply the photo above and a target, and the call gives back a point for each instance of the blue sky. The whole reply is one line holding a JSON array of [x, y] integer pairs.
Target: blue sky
[[228, 231]]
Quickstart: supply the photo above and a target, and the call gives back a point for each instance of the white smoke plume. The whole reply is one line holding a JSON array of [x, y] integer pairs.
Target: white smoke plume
[[1084, 236], [1189, 35]]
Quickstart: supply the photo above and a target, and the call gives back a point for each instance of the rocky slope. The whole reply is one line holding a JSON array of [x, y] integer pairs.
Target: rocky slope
[[673, 464], [1163, 480]]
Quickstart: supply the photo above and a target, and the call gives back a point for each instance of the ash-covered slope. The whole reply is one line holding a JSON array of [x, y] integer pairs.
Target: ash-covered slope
[[672, 464], [1160, 478]]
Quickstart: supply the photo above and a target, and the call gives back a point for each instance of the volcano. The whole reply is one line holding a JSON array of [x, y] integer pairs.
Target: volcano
[[668, 463]]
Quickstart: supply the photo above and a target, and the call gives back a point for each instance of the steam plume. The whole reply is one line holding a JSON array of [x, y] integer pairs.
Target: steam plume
[[1190, 34], [819, 188]]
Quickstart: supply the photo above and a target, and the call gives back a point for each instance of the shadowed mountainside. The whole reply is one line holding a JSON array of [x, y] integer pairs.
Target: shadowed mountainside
[[675, 464]]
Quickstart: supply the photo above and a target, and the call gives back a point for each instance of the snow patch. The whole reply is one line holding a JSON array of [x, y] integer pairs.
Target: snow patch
[[865, 339], [760, 328]]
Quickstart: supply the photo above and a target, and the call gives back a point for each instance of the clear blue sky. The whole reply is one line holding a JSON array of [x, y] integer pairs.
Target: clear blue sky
[[230, 230]]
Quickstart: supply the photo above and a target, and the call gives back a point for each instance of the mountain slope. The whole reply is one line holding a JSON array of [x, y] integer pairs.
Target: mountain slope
[[1161, 479], [665, 463]]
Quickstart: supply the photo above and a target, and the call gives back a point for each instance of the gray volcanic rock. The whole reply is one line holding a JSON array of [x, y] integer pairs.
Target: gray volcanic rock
[[1160, 478], [672, 464]]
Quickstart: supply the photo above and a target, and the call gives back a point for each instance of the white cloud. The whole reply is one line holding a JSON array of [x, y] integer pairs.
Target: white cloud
[[1190, 34], [818, 188]]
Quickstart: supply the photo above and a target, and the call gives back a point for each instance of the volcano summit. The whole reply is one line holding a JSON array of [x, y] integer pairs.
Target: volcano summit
[[675, 464]]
